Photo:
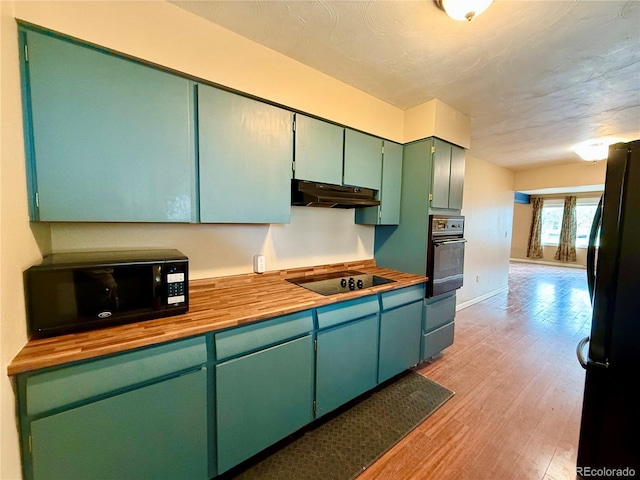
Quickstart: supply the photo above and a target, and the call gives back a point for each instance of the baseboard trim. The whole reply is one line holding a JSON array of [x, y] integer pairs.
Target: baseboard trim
[[479, 299], [544, 262]]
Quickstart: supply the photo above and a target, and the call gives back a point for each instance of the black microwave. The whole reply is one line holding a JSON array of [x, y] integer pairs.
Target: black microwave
[[73, 292]]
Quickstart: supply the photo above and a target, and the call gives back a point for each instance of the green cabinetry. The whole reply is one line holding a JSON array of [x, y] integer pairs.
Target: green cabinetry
[[347, 349], [197, 407], [108, 139], [448, 175], [263, 396], [400, 327], [388, 212], [318, 150], [149, 433], [245, 152], [404, 247], [325, 152], [136, 415], [432, 183], [438, 324], [362, 160]]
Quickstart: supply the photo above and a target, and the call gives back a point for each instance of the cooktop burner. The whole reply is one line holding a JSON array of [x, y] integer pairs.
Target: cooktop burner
[[339, 282]]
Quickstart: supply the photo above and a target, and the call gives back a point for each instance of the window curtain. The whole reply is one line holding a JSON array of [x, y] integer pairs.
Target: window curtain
[[534, 248], [567, 245]]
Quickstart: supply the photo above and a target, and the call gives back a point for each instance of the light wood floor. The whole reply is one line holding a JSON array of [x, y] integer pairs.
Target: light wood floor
[[518, 384]]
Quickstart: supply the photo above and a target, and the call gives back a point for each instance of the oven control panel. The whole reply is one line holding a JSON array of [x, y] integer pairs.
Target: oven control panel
[[447, 225]]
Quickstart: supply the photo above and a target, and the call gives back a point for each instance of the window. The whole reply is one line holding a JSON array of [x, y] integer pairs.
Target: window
[[552, 220]]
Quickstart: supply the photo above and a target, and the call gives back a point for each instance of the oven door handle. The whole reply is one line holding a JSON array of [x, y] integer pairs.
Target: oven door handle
[[437, 243]]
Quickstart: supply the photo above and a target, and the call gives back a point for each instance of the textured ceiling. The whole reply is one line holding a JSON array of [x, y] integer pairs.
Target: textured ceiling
[[536, 77]]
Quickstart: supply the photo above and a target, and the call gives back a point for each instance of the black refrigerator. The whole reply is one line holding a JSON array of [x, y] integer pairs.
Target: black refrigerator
[[609, 445]]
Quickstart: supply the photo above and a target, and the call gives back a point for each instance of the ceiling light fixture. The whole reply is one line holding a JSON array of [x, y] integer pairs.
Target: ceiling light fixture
[[464, 9], [595, 150]]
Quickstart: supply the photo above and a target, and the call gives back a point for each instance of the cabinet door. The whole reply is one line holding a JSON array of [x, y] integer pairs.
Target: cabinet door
[[391, 184], [245, 157], [111, 138], [399, 339], [441, 174], [388, 212], [155, 432], [318, 150], [362, 160], [261, 398], [456, 183], [346, 363]]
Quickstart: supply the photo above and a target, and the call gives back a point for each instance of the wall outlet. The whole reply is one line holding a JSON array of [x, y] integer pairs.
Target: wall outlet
[[259, 263], [477, 278]]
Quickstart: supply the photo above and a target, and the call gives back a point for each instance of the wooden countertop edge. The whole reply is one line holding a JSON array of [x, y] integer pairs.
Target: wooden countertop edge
[[201, 318]]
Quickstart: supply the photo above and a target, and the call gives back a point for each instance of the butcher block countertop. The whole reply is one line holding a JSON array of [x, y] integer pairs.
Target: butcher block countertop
[[214, 304]]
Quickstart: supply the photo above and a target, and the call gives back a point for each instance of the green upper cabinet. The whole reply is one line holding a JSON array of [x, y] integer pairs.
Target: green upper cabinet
[[388, 212], [109, 139], [245, 157], [318, 150], [362, 160], [456, 182], [448, 175]]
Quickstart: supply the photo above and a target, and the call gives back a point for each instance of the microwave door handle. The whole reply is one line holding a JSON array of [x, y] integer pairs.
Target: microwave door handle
[[157, 285]]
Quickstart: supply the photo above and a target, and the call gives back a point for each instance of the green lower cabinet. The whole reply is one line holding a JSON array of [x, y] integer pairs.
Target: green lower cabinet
[[399, 339], [261, 398], [346, 363], [154, 432]]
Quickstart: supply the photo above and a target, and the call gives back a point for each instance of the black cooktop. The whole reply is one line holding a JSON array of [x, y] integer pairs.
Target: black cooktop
[[339, 282]]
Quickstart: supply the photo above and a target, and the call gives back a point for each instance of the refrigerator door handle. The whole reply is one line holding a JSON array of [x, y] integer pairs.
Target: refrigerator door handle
[[579, 349], [591, 249]]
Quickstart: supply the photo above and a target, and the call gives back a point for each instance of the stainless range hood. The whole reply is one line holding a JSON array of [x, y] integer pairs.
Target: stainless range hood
[[315, 194]]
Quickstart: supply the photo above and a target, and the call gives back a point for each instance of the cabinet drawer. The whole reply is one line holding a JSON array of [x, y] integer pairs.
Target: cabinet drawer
[[437, 340], [331, 315], [258, 335], [68, 385], [439, 312], [402, 296]]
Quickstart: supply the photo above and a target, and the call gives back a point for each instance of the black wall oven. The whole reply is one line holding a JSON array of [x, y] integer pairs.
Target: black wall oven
[[445, 254]]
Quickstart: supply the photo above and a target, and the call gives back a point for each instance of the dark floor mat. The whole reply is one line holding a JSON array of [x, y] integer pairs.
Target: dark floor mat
[[342, 444]]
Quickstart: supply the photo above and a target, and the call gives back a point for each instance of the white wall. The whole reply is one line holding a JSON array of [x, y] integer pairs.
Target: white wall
[[18, 243], [315, 236], [488, 211], [561, 177]]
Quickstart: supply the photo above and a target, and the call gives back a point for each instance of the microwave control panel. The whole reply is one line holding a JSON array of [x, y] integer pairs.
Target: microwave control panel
[[176, 286]]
